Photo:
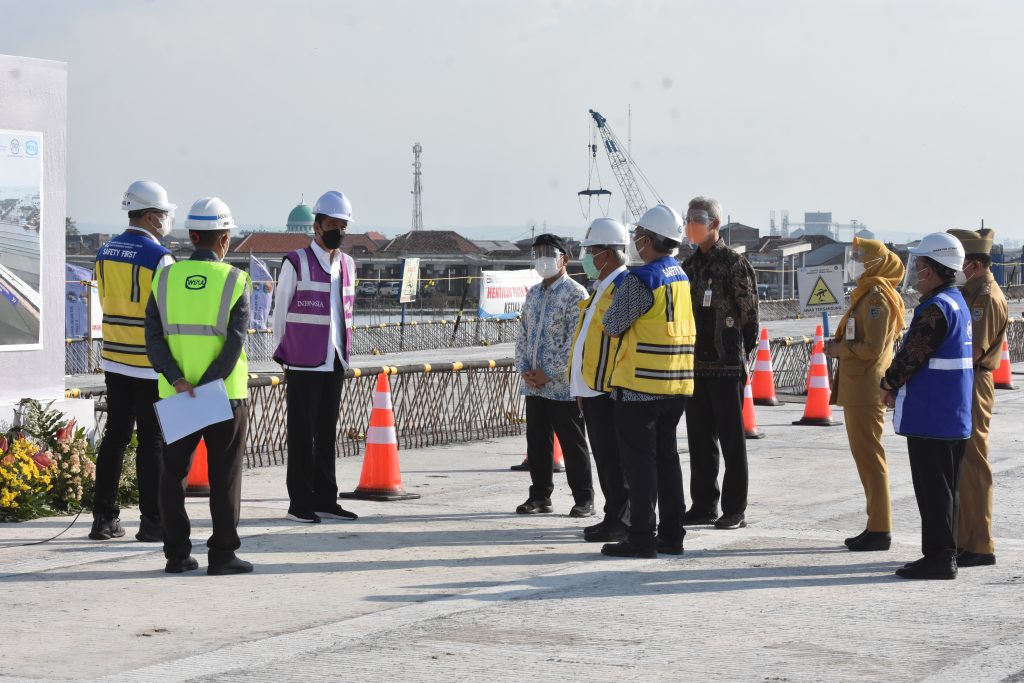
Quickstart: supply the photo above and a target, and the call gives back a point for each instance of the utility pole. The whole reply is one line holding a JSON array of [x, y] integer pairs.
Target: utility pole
[[417, 188]]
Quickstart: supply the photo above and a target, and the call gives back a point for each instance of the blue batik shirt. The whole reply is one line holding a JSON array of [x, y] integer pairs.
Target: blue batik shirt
[[547, 326]]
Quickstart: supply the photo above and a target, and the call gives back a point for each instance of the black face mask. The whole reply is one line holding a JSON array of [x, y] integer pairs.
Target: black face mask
[[331, 238]]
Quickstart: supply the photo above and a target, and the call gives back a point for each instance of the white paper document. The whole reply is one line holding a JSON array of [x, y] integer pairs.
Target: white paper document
[[181, 414]]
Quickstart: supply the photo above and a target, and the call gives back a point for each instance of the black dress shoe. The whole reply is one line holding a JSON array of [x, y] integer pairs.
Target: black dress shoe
[[149, 531], [232, 566], [669, 548], [965, 558], [594, 528], [697, 518], [609, 533], [179, 565], [534, 507], [626, 549], [929, 569], [582, 510], [736, 521], [871, 540], [852, 539]]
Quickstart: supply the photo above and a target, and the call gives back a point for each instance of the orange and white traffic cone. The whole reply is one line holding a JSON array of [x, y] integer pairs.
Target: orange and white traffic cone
[[749, 419], [558, 464], [817, 410], [819, 336], [1003, 376], [198, 483], [763, 383], [381, 478]]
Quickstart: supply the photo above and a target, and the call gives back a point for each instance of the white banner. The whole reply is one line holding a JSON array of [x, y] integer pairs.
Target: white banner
[[410, 281], [502, 292]]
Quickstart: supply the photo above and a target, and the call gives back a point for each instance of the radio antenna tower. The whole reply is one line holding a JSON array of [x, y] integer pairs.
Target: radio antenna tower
[[417, 188]]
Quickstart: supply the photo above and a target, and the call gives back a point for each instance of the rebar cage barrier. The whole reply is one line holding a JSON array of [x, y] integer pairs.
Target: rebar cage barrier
[[442, 403], [82, 356]]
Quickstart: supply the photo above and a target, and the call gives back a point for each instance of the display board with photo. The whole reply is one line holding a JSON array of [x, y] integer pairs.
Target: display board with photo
[[21, 178]]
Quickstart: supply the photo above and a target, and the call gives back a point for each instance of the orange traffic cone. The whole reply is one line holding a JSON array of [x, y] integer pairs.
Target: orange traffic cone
[[763, 383], [198, 483], [558, 465], [749, 419], [817, 410], [381, 478], [1003, 377], [819, 336]]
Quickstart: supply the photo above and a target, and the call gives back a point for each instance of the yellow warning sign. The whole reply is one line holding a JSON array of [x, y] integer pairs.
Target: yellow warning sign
[[821, 295]]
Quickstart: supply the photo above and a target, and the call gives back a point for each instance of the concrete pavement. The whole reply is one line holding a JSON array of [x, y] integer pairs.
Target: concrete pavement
[[456, 587]]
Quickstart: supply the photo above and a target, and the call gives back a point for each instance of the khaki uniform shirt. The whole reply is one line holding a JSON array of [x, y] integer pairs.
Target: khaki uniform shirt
[[986, 305], [864, 358]]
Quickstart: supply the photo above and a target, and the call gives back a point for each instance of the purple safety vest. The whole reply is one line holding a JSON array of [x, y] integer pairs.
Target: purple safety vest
[[307, 330]]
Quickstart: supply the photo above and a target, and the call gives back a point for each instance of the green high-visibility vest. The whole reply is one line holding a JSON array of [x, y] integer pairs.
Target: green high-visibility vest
[[195, 300]]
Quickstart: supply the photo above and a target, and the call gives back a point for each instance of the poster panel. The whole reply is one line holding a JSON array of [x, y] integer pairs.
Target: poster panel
[[502, 292], [21, 191]]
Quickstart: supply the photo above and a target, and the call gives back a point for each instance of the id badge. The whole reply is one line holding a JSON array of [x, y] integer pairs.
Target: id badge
[[707, 298], [851, 328]]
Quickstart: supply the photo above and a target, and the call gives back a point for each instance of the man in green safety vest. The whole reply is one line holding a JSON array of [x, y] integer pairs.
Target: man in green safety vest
[[196, 323]]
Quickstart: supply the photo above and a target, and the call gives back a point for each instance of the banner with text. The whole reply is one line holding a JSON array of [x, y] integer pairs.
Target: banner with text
[[502, 292]]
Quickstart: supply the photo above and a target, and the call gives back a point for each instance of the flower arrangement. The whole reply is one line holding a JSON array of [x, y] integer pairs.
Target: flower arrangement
[[46, 466]]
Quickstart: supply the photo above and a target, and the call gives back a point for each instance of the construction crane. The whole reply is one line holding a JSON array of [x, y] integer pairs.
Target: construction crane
[[623, 167]]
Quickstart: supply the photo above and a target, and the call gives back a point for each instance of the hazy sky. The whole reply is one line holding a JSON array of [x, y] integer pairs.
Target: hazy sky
[[908, 116]]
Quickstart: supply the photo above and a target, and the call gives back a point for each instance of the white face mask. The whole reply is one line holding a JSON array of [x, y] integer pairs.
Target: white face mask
[[166, 223], [632, 254], [546, 266]]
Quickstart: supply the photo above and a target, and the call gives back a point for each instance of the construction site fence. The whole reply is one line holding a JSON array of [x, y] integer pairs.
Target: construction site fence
[[82, 356], [440, 403]]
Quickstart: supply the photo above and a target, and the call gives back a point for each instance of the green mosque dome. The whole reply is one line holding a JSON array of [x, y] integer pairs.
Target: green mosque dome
[[300, 219]]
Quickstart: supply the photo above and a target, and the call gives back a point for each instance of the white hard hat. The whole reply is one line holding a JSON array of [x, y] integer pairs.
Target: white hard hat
[[209, 213], [334, 204], [145, 194], [663, 220], [605, 232], [942, 248]]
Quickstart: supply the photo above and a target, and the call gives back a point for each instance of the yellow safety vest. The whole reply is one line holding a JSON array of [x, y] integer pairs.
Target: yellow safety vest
[[195, 300], [598, 348], [655, 355]]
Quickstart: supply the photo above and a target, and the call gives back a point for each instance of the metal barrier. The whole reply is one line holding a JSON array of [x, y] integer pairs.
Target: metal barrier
[[82, 356]]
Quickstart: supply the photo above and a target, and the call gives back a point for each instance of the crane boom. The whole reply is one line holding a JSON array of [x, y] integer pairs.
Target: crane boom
[[621, 167]]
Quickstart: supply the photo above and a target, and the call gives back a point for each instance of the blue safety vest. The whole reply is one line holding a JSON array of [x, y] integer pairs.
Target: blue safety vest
[[936, 402]]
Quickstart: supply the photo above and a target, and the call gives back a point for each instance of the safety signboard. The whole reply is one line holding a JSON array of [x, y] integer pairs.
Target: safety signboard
[[821, 289]]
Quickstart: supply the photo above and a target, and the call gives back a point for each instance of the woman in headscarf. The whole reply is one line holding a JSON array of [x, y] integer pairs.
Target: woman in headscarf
[[864, 343]]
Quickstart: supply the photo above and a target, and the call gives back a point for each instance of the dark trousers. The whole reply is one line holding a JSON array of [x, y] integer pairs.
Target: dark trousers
[[646, 433], [129, 404], [935, 470], [314, 399], [599, 414], [714, 416], [225, 448], [545, 419]]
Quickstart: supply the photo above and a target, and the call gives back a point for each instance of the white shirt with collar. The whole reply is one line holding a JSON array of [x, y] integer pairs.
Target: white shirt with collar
[[131, 370], [286, 283], [577, 386]]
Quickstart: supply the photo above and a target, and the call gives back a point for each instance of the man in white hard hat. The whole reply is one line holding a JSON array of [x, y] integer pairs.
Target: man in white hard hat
[[652, 322], [313, 310], [197, 321], [590, 369], [124, 270], [930, 384], [548, 320], [725, 309]]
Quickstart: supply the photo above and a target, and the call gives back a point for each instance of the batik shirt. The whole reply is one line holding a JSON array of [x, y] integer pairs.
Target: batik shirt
[[546, 329]]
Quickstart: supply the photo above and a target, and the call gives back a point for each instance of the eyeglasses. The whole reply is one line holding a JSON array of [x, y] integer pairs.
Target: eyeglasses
[[698, 217]]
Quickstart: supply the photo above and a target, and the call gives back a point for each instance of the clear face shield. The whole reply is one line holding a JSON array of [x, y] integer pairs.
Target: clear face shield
[[698, 225], [915, 262], [547, 260], [858, 263]]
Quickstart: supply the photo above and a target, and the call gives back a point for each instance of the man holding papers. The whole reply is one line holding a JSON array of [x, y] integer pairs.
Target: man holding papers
[[196, 324]]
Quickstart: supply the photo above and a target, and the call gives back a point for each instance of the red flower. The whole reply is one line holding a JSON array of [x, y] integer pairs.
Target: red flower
[[3, 444], [7, 459], [67, 431], [42, 460]]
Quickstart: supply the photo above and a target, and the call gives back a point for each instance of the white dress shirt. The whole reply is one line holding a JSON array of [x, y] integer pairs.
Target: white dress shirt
[[577, 386], [131, 370], [286, 282]]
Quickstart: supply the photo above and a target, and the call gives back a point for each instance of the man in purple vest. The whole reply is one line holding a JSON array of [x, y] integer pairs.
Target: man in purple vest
[[312, 321]]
